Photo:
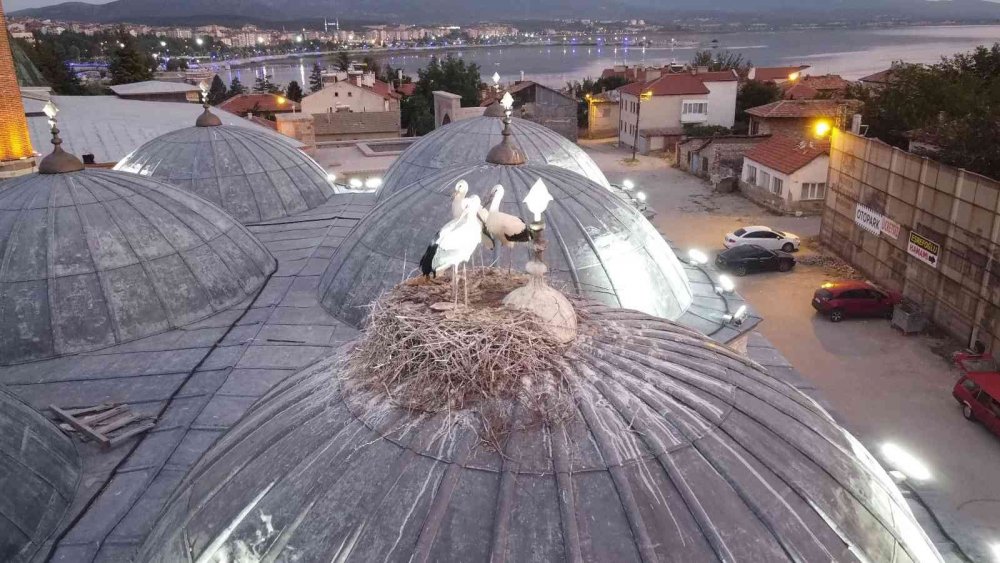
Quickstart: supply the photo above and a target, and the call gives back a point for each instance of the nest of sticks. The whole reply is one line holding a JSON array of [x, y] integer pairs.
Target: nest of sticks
[[481, 357]]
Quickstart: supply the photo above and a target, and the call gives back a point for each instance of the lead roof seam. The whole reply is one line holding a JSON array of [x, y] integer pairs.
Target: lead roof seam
[[505, 494], [781, 437], [5, 263], [562, 467], [593, 247], [441, 496], [246, 176]]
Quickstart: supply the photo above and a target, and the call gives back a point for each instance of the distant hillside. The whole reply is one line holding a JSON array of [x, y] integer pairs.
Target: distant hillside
[[420, 11]]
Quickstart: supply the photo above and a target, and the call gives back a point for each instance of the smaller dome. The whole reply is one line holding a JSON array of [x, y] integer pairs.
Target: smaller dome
[[95, 258], [253, 175], [39, 474], [468, 141], [598, 245]]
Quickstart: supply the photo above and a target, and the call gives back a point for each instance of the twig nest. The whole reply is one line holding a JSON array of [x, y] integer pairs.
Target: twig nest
[[551, 307]]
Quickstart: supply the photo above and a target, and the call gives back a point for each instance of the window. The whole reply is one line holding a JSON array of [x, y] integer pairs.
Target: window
[[777, 186], [754, 127], [740, 232], [765, 180], [751, 174], [813, 190], [336, 94], [350, 94], [694, 107]]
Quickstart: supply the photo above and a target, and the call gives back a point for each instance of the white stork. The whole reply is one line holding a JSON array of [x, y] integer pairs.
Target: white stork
[[509, 229], [454, 244]]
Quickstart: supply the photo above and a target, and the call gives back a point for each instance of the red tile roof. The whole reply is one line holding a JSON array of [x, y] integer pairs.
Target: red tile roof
[[245, 103], [776, 72], [824, 82], [718, 76], [384, 89], [880, 77], [668, 85], [787, 155], [407, 89], [800, 92], [803, 108]]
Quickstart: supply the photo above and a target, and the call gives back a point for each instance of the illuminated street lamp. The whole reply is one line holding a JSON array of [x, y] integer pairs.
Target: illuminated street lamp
[[199, 41], [822, 128], [697, 257], [628, 184], [163, 43]]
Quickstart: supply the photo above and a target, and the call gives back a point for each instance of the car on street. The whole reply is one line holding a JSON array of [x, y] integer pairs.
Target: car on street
[[744, 259], [853, 298], [771, 239], [978, 390]]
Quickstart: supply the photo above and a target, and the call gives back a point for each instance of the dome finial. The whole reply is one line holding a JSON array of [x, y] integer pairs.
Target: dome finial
[[207, 118], [506, 152], [58, 161]]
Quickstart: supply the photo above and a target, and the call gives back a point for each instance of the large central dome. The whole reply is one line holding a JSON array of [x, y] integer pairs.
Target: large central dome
[[598, 245], [255, 176], [467, 142]]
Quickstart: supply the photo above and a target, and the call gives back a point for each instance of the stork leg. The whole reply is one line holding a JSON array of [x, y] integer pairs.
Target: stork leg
[[465, 278], [454, 284]]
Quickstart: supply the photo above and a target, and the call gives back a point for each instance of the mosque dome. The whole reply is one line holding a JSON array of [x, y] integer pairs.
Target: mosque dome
[[253, 175], [93, 258], [598, 245], [39, 474], [674, 449], [468, 140]]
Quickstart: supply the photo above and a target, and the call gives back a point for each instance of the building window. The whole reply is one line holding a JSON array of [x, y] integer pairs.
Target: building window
[[765, 180], [751, 175], [777, 185], [754, 127], [694, 107], [349, 94], [813, 190]]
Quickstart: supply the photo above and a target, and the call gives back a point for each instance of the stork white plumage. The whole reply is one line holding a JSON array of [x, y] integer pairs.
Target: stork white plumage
[[457, 199], [508, 229], [455, 244]]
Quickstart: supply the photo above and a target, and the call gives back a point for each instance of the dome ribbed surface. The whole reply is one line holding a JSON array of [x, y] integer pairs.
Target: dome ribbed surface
[[96, 258], [254, 176], [39, 473], [598, 245], [678, 449], [469, 140]]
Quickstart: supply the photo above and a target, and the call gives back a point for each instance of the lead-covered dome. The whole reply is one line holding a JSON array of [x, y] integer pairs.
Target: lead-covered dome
[[467, 141], [598, 245], [674, 449], [253, 175], [94, 258], [39, 474]]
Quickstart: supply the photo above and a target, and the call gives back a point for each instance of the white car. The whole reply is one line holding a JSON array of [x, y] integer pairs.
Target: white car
[[771, 239]]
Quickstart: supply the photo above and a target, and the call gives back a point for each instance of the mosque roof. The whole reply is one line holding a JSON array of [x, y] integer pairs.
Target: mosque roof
[[468, 140], [254, 176], [675, 448], [96, 258], [599, 245]]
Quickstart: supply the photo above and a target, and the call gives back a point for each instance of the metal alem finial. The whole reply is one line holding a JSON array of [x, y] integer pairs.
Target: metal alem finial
[[58, 161], [506, 152]]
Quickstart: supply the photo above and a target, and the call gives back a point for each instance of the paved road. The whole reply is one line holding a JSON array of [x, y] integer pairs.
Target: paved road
[[887, 388]]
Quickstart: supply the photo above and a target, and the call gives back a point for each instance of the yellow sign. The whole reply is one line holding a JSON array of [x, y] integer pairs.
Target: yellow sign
[[923, 249]]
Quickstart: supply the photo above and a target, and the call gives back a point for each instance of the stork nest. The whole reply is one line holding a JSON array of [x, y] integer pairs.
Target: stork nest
[[480, 357]]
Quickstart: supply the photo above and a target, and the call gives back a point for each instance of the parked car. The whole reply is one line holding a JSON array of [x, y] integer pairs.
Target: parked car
[[747, 258], [978, 390], [771, 239], [854, 299]]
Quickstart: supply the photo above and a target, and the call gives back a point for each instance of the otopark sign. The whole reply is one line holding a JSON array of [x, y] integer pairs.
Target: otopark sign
[[875, 223], [923, 249]]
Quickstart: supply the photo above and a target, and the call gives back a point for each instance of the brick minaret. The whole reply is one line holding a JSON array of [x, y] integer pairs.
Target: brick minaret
[[15, 144]]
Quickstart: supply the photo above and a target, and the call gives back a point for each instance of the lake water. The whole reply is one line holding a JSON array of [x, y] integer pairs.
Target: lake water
[[850, 53]]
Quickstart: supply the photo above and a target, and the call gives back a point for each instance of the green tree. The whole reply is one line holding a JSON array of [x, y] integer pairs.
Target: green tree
[[128, 64], [451, 75], [56, 74], [751, 94], [416, 115], [343, 60], [217, 92], [263, 84], [316, 78], [236, 87], [294, 92], [177, 63], [722, 60]]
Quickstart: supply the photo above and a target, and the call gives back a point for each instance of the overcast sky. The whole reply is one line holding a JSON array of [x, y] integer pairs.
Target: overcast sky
[[12, 5]]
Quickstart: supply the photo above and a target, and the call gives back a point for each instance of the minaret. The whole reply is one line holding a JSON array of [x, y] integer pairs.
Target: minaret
[[16, 154]]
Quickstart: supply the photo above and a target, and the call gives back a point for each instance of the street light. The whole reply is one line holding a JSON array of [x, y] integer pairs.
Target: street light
[[822, 128], [628, 184], [163, 43], [697, 257], [199, 41]]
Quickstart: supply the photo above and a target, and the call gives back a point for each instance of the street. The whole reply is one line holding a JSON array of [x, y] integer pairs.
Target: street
[[883, 386]]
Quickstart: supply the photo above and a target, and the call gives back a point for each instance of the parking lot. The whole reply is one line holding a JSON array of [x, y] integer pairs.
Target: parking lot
[[885, 387]]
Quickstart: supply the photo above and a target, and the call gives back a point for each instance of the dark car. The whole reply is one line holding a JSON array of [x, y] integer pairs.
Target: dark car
[[746, 258], [853, 298]]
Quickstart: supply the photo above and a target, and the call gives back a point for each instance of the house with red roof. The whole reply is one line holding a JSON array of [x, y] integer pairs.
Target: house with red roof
[[652, 114], [787, 174], [260, 105], [776, 74], [798, 118], [359, 93], [809, 87]]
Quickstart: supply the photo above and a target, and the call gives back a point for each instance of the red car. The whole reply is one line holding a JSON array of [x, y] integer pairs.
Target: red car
[[853, 298], [978, 390]]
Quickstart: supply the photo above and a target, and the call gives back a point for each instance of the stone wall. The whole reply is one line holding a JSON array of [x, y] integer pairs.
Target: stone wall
[[724, 155], [952, 208], [779, 204], [795, 128]]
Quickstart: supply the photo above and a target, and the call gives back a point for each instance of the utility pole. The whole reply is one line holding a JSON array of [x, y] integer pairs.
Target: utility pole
[[638, 109]]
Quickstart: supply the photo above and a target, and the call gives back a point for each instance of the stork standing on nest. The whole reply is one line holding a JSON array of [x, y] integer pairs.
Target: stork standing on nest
[[454, 245], [510, 230], [457, 206]]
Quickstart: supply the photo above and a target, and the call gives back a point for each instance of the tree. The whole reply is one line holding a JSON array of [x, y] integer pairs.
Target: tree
[[263, 84], [57, 75], [416, 115], [128, 64], [722, 60], [236, 87], [343, 61], [217, 93], [294, 91], [451, 75], [751, 94], [316, 78], [177, 63]]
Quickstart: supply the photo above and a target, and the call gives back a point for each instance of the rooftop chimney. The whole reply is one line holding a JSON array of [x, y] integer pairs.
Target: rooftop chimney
[[15, 144]]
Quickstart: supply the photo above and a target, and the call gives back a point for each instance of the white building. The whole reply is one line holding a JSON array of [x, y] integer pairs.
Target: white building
[[345, 95], [787, 174], [672, 101]]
